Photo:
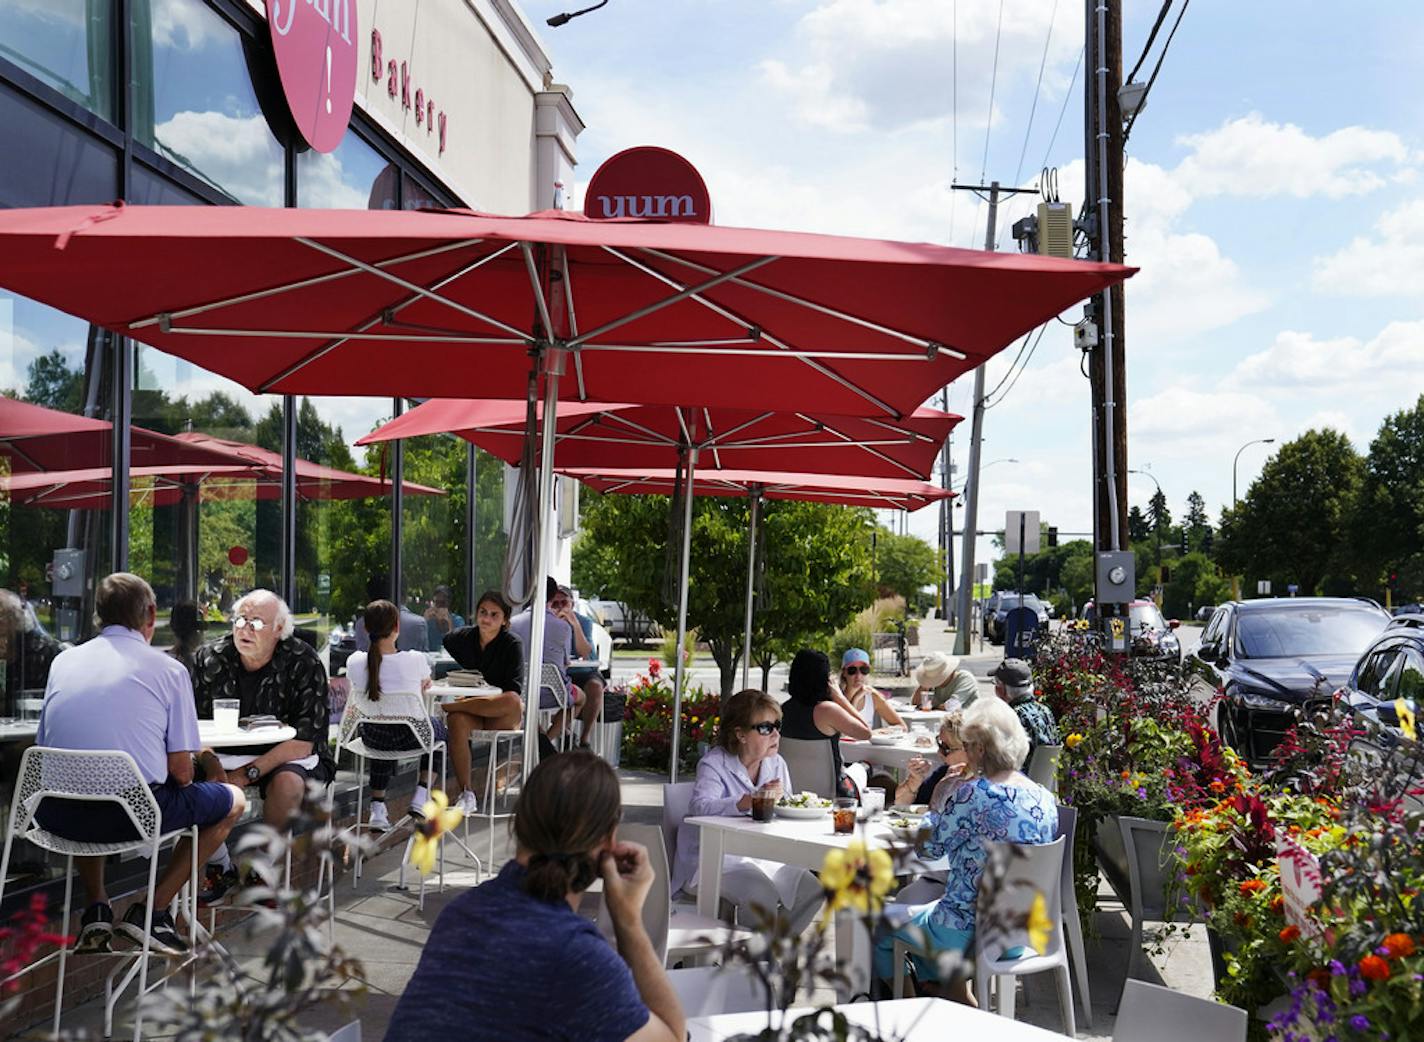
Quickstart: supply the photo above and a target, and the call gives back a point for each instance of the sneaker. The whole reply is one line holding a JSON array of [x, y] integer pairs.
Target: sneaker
[[163, 936], [418, 802], [217, 883], [468, 803], [379, 818], [96, 930]]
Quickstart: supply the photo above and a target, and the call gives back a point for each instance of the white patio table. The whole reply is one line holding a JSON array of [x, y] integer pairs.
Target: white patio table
[[230, 738], [444, 693], [897, 755], [914, 1020]]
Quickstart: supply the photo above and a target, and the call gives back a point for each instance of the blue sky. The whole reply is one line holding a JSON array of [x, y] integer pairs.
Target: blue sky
[[1274, 201]]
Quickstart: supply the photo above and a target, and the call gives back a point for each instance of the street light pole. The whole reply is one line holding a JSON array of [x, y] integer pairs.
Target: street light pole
[[1237, 459], [1156, 525]]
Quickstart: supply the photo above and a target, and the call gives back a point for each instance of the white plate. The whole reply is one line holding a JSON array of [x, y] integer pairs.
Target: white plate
[[806, 813], [886, 739]]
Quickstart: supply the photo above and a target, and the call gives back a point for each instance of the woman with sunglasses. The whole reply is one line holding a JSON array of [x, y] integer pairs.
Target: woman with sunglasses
[[867, 700], [929, 784], [746, 759]]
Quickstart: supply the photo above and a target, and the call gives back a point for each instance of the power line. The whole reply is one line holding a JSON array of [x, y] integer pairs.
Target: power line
[[993, 83], [1041, 330], [1127, 130], [1043, 63], [954, 105], [1066, 96], [1151, 38]]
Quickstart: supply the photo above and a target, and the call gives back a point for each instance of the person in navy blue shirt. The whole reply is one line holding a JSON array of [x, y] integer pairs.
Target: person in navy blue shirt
[[512, 959]]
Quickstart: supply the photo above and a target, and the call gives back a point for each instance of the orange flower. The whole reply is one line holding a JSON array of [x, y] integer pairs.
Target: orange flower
[[1217, 785], [1290, 933], [1277, 903], [1126, 775], [1372, 967], [1253, 886], [1400, 945]]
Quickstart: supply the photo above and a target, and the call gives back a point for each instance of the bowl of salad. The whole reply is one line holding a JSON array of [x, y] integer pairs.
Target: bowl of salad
[[803, 805], [905, 826]]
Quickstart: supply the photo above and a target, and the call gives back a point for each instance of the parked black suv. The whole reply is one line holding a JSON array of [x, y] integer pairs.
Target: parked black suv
[[1268, 658], [1391, 668], [996, 613]]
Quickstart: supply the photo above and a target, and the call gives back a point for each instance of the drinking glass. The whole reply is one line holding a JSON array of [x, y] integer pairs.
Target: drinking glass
[[844, 814], [872, 802], [225, 713]]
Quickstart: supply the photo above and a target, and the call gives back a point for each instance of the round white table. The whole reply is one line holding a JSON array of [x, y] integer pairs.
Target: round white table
[[445, 693], [18, 730], [212, 738], [584, 663]]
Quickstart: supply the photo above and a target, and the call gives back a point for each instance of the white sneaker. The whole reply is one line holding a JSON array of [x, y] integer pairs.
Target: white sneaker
[[379, 819], [468, 803], [418, 801]]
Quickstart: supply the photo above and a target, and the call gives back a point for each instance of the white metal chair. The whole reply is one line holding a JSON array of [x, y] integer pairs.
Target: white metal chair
[[492, 774], [812, 764], [1152, 1013], [676, 932], [1032, 870], [554, 698], [97, 777], [677, 804], [349, 739], [1072, 922], [1043, 766]]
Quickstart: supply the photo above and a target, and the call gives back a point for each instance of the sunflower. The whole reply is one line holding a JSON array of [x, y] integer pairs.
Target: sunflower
[[440, 818], [857, 878], [1040, 926]]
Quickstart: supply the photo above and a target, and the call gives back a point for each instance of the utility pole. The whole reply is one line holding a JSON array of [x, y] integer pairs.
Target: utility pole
[[976, 437], [946, 515], [1107, 366]]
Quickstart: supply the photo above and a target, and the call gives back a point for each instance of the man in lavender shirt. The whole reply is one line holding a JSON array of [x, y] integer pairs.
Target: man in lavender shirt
[[558, 646], [116, 693]]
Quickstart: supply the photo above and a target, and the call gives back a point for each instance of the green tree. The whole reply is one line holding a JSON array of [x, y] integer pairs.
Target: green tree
[[1292, 524], [1195, 581], [1158, 516], [904, 565], [1196, 522], [1137, 528], [52, 383], [1387, 525], [817, 569]]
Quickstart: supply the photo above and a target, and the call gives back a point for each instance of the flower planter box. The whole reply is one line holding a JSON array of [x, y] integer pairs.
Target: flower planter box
[[1151, 850]]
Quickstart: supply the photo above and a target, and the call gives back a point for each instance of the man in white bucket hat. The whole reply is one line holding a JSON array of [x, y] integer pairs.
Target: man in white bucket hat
[[939, 681]]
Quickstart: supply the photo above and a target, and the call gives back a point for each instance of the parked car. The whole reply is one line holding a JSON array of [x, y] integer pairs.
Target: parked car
[[997, 608], [1391, 668], [622, 624], [1205, 612], [1409, 609], [1152, 636], [1270, 658]]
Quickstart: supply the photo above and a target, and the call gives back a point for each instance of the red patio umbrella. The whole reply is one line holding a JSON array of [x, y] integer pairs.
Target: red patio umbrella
[[426, 303], [659, 436], [840, 489]]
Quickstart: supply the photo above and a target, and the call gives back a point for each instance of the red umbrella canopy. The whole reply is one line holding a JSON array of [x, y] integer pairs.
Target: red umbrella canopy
[[424, 304], [845, 490], [36, 439], [90, 489], [652, 436]]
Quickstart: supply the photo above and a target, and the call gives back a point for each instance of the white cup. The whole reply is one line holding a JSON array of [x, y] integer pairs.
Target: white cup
[[226, 712], [872, 801]]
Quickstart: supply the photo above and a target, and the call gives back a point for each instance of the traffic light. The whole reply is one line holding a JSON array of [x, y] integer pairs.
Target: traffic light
[[1184, 539], [1052, 538]]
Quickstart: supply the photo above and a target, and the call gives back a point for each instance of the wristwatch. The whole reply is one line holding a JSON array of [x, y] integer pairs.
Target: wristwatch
[[253, 773]]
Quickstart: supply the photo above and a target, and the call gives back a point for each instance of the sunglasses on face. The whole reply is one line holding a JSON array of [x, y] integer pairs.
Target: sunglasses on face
[[946, 750], [862, 670], [766, 727], [257, 624]]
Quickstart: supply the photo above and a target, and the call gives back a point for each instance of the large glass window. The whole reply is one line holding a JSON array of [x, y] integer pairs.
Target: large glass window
[[193, 101], [49, 162], [67, 44], [352, 177]]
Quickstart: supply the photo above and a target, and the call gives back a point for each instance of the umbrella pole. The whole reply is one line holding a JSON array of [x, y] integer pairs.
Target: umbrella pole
[[535, 652], [751, 584], [680, 670]]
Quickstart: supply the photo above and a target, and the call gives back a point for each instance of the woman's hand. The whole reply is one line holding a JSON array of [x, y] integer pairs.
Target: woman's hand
[[745, 803], [919, 769]]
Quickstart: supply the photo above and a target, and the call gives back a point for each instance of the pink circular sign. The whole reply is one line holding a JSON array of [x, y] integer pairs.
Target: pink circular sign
[[315, 43]]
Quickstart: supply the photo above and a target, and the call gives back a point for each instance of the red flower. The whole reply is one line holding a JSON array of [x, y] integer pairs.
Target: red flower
[[1319, 977], [1290, 933], [1372, 967], [1400, 945], [1252, 886], [655, 667]]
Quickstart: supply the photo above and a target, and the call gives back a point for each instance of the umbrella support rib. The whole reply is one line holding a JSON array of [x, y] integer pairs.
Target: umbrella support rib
[[316, 280], [680, 673], [830, 312], [776, 342], [866, 447]]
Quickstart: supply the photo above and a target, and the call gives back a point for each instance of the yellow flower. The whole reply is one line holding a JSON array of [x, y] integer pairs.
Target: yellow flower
[[857, 878], [1040, 926], [1406, 718], [1073, 740], [440, 818]]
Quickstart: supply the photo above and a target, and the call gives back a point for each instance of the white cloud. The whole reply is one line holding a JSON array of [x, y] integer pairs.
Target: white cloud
[[237, 153], [1182, 422], [1250, 156], [1386, 264], [184, 24], [1392, 359]]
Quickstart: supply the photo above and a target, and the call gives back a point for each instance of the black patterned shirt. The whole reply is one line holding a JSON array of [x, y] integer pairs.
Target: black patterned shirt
[[1038, 722]]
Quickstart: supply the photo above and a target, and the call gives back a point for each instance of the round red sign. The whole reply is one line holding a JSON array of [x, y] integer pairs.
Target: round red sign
[[315, 43], [237, 556], [651, 183]]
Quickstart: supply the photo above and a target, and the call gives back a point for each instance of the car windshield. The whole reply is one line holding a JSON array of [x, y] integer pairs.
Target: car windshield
[[1010, 601], [1288, 631], [1146, 617]]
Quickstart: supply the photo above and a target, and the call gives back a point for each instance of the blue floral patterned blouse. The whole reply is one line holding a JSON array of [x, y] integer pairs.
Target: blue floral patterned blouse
[[979, 812]]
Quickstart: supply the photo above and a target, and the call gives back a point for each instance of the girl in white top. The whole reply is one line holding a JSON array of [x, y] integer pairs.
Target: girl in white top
[[867, 700], [387, 682]]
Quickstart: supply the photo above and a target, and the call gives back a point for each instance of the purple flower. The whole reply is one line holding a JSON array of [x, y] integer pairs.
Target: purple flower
[[1360, 1022], [1337, 968]]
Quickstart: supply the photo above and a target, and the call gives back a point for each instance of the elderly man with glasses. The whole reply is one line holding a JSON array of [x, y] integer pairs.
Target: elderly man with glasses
[[270, 673]]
